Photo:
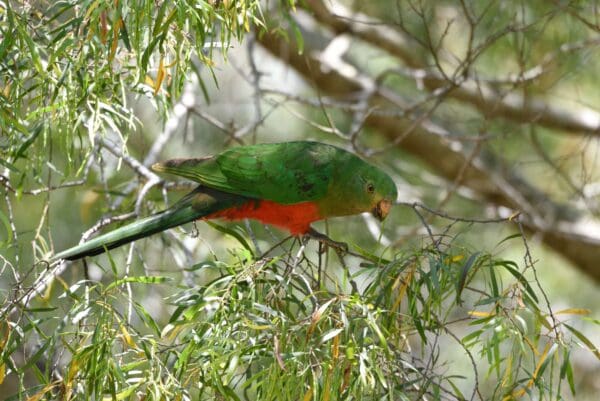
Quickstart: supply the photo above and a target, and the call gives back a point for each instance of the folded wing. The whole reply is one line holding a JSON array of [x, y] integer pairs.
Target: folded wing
[[286, 173]]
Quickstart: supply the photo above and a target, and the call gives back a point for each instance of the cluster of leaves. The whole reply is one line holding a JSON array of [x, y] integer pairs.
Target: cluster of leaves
[[288, 328], [68, 67]]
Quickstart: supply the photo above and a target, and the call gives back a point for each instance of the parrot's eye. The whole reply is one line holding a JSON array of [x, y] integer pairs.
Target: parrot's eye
[[370, 188]]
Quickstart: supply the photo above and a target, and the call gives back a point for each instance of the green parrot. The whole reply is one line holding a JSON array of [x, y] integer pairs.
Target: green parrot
[[288, 185]]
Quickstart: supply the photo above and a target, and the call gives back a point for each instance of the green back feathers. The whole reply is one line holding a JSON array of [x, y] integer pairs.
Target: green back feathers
[[291, 172], [286, 173]]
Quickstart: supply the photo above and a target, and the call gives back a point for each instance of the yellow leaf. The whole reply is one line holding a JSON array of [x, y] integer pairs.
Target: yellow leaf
[[160, 76], [476, 313], [88, 200], [508, 371], [521, 392], [103, 27], [517, 394], [90, 10], [72, 371], [533, 348], [6, 90], [62, 282], [115, 40], [316, 317], [38, 396], [539, 364], [127, 337], [335, 352], [403, 287], [308, 394], [2, 372], [457, 258], [246, 23], [327, 385], [171, 331], [258, 326], [48, 291], [6, 333], [573, 311]]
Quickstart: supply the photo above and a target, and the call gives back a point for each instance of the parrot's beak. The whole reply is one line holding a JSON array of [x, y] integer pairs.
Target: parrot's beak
[[382, 209]]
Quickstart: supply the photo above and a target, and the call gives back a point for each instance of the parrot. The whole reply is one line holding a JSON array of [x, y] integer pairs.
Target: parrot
[[288, 185]]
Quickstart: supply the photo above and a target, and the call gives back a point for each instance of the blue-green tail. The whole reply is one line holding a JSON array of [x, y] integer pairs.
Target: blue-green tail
[[131, 232], [197, 204]]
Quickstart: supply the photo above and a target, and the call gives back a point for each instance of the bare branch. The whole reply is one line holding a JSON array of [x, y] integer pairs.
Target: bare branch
[[476, 92], [449, 158]]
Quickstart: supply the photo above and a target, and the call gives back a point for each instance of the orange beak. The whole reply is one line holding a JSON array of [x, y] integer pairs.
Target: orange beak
[[382, 209]]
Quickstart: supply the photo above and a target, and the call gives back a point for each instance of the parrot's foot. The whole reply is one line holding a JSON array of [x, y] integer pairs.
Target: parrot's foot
[[325, 240]]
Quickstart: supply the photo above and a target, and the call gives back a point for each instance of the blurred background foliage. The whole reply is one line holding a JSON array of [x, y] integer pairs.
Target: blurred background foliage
[[481, 284]]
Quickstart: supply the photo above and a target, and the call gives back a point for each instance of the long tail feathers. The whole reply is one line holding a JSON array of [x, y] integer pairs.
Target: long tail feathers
[[198, 203], [131, 232]]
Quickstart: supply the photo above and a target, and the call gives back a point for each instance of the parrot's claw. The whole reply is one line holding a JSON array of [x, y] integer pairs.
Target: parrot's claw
[[325, 240]]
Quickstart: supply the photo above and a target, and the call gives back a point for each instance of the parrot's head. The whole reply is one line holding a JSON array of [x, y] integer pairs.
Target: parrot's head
[[381, 190], [368, 189]]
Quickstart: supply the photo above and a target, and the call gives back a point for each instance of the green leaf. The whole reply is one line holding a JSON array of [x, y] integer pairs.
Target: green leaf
[[232, 233], [514, 270], [34, 310], [139, 280], [463, 275], [330, 334], [548, 359], [373, 258], [494, 282], [487, 301], [205, 264], [127, 392], [566, 370], [457, 393], [201, 83], [472, 336], [28, 142], [517, 235], [417, 322], [434, 265], [6, 223], [9, 166], [125, 37], [584, 340], [32, 359], [147, 318]]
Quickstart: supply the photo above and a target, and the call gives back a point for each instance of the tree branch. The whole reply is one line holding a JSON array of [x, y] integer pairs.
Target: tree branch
[[476, 92], [484, 173]]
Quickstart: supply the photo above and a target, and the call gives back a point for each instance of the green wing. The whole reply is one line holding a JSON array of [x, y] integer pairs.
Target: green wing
[[287, 173]]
